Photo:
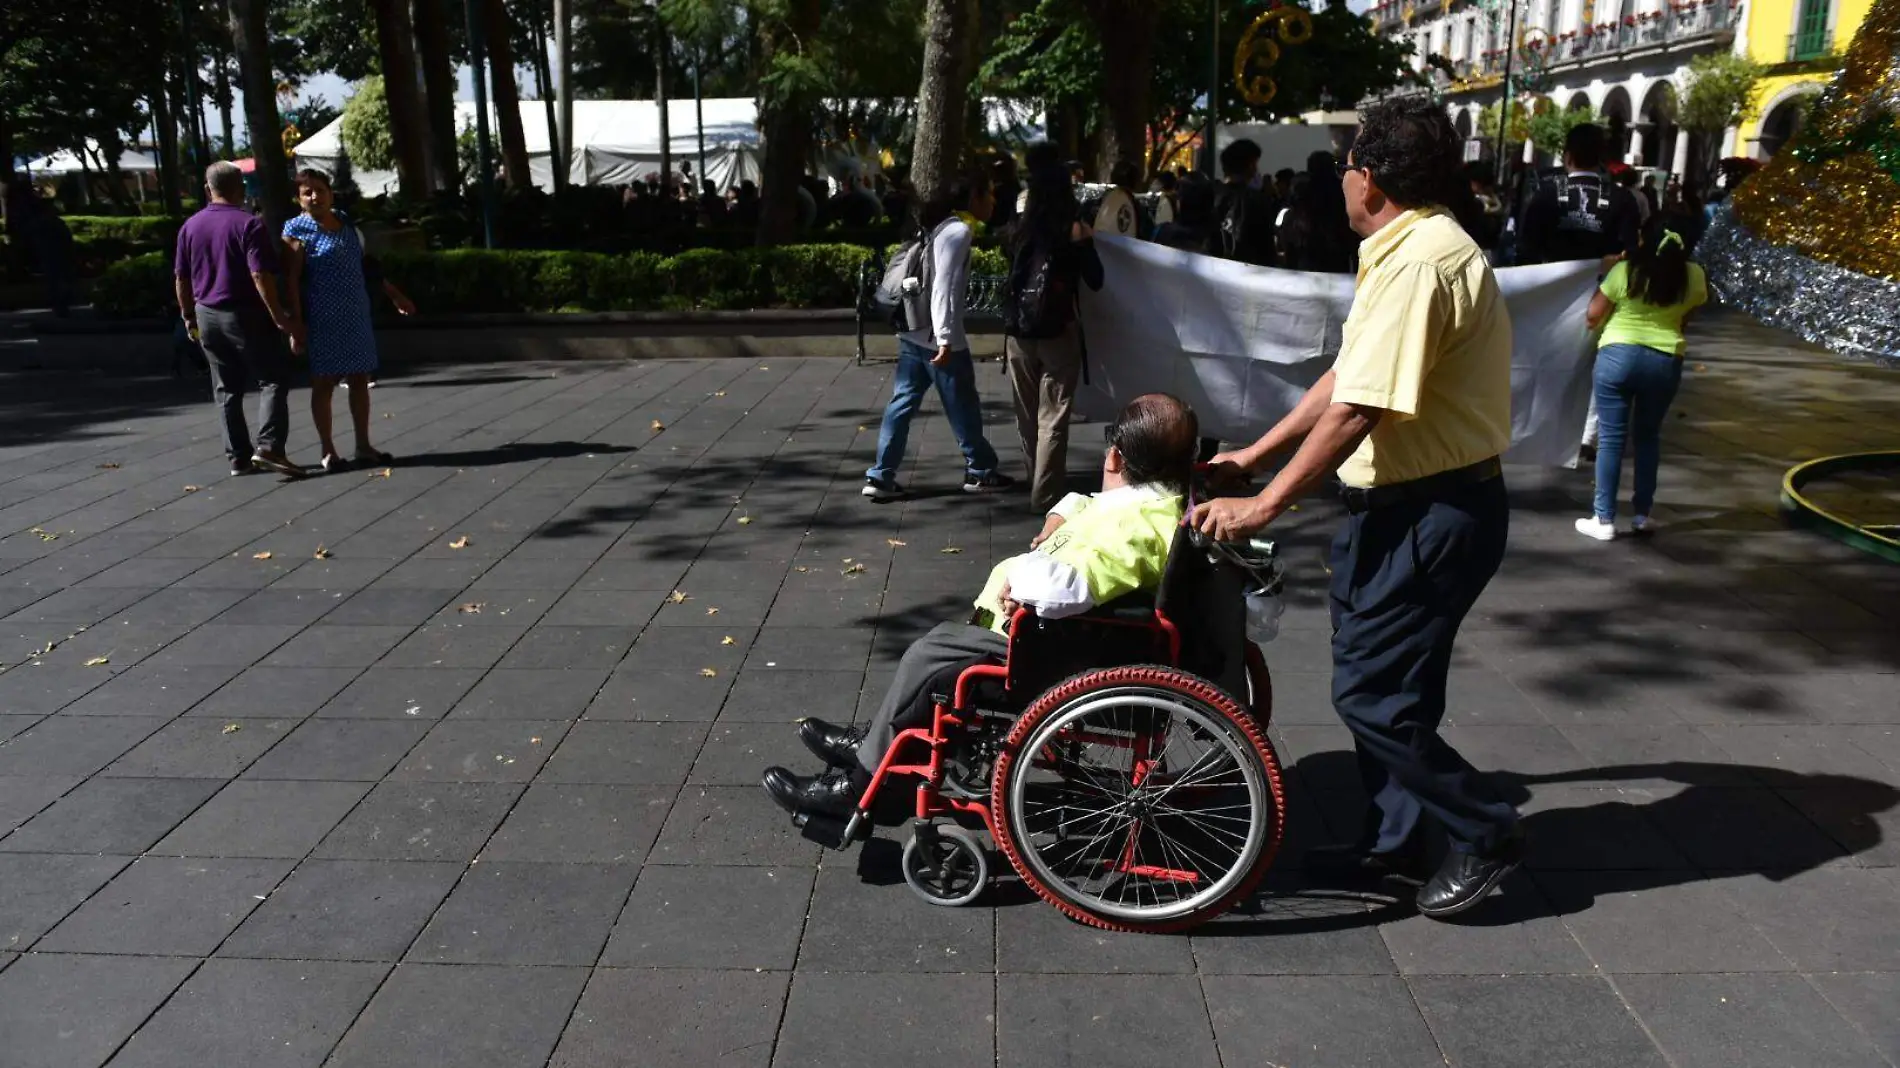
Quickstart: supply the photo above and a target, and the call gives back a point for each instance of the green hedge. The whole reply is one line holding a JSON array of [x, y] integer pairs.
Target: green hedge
[[481, 280], [158, 231]]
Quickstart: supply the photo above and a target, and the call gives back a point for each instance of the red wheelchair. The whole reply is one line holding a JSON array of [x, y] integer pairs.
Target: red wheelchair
[[1119, 759]]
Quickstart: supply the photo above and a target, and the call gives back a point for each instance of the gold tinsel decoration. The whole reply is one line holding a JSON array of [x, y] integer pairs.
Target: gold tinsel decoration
[[1294, 26], [1843, 210]]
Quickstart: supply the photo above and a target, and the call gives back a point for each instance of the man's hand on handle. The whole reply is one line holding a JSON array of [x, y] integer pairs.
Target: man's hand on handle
[[1231, 518]]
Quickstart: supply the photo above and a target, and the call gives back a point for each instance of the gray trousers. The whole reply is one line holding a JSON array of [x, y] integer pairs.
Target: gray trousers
[[1042, 375], [245, 351], [931, 664]]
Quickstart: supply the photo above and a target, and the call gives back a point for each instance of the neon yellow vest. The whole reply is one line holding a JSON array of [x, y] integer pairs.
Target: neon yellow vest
[[1117, 547]]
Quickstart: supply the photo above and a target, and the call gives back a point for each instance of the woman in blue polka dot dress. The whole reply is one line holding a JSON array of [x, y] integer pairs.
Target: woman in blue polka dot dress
[[329, 302]]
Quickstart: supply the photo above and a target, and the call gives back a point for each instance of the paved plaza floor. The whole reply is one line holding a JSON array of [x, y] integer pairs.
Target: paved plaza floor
[[428, 766]]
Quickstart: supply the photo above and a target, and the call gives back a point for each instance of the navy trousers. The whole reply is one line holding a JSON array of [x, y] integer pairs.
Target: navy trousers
[[1404, 576]]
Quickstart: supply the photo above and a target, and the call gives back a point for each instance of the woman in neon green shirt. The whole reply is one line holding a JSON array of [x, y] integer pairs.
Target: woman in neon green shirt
[[1640, 307]]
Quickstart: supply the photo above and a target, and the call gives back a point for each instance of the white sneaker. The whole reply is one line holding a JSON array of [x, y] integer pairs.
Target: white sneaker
[[1592, 527], [1640, 525]]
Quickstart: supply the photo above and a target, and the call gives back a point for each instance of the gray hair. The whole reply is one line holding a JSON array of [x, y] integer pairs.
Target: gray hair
[[225, 179]]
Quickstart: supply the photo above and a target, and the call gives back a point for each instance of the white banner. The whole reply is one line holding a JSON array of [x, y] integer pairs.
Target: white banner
[[1242, 344]]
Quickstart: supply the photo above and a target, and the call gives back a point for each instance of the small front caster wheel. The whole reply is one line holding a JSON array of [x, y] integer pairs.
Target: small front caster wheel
[[946, 865]]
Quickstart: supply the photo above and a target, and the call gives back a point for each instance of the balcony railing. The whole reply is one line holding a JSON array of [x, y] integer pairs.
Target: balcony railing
[[1676, 26], [1809, 44]]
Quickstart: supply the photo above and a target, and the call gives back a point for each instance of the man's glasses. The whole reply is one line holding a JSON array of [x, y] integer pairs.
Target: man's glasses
[[1341, 167]]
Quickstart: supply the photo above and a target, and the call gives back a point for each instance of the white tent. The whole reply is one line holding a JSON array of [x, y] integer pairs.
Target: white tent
[[618, 141], [67, 162], [615, 142]]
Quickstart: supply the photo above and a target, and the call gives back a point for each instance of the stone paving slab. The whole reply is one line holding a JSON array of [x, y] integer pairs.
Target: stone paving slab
[[404, 802]]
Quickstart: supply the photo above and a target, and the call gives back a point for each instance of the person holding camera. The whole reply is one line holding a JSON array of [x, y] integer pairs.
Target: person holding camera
[[1050, 254], [933, 348]]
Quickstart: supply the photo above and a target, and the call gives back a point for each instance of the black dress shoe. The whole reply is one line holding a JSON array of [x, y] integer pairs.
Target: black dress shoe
[[835, 793], [1465, 878], [836, 746], [1356, 862]]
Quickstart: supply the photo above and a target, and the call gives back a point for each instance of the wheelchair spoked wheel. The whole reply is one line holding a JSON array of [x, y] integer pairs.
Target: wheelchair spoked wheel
[[1138, 799], [946, 865]]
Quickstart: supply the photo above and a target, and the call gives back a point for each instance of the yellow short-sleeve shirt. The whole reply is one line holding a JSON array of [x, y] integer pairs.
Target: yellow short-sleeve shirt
[[1428, 340]]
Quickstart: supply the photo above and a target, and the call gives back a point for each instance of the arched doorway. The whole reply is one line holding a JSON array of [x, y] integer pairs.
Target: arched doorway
[[1616, 119], [1783, 122], [1578, 99], [1659, 126]]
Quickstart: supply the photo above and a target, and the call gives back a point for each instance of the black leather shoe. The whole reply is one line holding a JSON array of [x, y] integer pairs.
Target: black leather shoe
[[836, 746], [1465, 878], [832, 794], [1356, 862]]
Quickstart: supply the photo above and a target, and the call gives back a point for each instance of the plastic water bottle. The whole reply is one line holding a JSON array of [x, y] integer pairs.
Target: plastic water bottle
[[1263, 616]]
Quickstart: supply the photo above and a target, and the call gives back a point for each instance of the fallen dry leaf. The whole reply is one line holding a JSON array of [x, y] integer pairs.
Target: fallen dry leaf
[[658, 426], [472, 608], [108, 467], [762, 367], [895, 543], [801, 570], [459, 543], [745, 520], [94, 662], [321, 553], [707, 672], [712, 611], [232, 728], [191, 489], [534, 741], [265, 555], [728, 640], [719, 393], [949, 550], [1702, 367], [384, 473], [862, 428], [677, 597], [854, 569]]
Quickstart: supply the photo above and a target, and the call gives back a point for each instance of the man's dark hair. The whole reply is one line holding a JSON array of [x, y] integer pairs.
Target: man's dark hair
[[1285, 175], [1583, 146], [1238, 156], [954, 196], [1158, 436], [1411, 150]]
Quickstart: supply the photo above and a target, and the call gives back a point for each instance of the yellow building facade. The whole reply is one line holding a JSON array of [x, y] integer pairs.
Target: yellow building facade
[[1800, 42]]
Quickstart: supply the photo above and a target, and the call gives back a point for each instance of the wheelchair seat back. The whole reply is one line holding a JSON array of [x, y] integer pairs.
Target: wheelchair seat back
[[1204, 601]]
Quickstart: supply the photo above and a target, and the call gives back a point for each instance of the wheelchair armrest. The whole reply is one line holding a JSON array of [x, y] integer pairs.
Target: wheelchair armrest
[[1138, 607]]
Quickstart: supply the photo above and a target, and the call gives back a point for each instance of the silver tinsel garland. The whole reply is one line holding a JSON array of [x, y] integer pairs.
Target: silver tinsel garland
[[1855, 315]]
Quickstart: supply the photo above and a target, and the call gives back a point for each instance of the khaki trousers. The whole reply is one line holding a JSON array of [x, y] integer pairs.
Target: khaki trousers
[[1042, 375]]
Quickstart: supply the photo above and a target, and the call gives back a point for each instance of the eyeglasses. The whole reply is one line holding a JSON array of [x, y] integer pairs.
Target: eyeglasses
[[1341, 167]]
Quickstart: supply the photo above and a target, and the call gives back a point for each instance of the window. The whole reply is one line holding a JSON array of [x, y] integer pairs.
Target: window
[[1810, 39]]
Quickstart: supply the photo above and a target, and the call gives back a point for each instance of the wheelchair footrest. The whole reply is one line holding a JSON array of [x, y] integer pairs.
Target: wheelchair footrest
[[831, 832]]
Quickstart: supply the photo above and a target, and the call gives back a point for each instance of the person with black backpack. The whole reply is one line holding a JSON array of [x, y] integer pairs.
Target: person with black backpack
[[1050, 255], [1579, 213], [1243, 215]]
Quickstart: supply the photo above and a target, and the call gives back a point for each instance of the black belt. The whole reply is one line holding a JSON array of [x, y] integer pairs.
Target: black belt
[[1430, 488]]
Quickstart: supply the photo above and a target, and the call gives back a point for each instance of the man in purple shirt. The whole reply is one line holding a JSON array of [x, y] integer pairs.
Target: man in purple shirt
[[226, 280]]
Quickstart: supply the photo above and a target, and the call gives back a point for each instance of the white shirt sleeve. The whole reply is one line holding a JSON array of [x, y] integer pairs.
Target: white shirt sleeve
[[1071, 506], [950, 275], [1054, 589]]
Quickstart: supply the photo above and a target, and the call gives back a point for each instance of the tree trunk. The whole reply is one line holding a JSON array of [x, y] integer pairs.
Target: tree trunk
[[942, 97], [665, 109], [544, 86], [167, 147], [786, 126], [222, 58], [438, 83], [396, 49], [501, 72], [251, 40], [112, 145], [1127, 31]]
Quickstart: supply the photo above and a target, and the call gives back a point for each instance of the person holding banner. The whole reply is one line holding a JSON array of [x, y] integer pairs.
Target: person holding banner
[[1413, 416], [1050, 255]]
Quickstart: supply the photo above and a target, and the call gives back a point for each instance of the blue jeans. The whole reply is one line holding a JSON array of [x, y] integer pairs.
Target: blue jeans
[[1634, 387], [956, 387]]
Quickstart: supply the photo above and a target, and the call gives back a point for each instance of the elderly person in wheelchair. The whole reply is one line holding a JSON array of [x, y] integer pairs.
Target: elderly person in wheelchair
[[1091, 550], [1114, 750]]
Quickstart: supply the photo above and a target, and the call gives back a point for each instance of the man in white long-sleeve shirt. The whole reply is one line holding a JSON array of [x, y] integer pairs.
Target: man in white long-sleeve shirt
[[935, 350], [1091, 551]]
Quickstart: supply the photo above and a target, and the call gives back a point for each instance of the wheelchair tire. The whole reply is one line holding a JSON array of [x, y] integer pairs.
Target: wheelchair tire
[[1129, 837], [950, 870]]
